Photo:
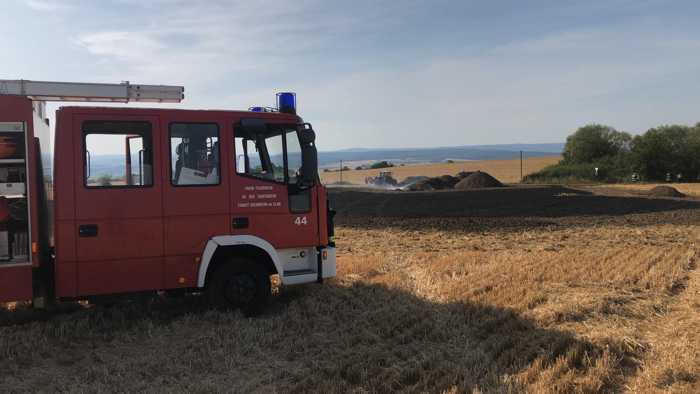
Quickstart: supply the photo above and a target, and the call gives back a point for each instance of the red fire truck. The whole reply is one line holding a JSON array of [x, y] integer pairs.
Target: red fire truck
[[126, 200]]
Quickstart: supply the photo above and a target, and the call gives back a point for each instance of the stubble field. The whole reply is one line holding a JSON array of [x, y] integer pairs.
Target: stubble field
[[539, 289]]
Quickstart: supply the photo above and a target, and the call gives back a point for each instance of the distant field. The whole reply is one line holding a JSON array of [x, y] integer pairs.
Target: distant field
[[691, 189], [507, 171]]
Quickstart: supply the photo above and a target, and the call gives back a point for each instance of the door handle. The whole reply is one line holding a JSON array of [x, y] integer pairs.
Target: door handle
[[87, 230], [241, 222]]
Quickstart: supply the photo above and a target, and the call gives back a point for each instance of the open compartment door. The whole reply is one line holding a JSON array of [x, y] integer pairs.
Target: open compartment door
[[15, 261]]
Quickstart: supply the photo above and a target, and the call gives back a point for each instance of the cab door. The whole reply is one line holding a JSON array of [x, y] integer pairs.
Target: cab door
[[119, 222], [266, 199], [196, 192]]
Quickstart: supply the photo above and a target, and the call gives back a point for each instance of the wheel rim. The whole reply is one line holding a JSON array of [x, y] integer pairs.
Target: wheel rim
[[240, 289]]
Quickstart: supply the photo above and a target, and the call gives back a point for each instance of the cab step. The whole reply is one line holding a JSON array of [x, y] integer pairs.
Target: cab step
[[295, 277]]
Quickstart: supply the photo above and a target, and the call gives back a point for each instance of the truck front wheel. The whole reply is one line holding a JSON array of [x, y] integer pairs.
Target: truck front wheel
[[239, 284]]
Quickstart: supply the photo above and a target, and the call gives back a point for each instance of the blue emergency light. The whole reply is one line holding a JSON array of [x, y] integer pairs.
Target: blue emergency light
[[256, 109], [287, 102]]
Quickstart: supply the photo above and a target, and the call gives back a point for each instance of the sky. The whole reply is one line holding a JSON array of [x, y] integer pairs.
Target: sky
[[390, 74]]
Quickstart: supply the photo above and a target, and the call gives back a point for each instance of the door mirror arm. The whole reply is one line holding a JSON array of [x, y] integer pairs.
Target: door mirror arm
[[309, 156]]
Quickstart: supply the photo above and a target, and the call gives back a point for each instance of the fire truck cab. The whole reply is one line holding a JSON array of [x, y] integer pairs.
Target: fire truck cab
[[122, 200]]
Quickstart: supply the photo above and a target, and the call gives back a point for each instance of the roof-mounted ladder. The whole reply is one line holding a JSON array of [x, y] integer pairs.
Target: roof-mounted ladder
[[91, 92]]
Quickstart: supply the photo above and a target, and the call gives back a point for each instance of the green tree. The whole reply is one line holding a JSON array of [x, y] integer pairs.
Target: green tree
[[671, 149], [104, 180], [381, 164], [593, 142]]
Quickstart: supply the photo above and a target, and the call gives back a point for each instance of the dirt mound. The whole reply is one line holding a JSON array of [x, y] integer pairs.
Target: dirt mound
[[467, 180], [423, 185], [411, 180], [449, 181], [428, 184], [665, 191], [478, 180]]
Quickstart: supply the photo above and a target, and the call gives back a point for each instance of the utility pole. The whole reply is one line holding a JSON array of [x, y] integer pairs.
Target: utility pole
[[521, 166], [341, 171]]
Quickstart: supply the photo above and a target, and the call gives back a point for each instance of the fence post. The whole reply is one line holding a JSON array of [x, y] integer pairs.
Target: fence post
[[521, 166]]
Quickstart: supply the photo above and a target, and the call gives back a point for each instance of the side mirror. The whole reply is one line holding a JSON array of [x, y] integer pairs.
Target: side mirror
[[309, 155]]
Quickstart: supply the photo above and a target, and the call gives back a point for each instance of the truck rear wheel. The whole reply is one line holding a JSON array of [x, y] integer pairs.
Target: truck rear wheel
[[239, 284]]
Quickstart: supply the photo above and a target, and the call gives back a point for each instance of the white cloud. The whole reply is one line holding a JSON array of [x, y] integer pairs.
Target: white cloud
[[202, 43], [45, 5], [131, 46]]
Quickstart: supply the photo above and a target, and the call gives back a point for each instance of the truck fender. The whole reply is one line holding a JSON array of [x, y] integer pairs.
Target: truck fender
[[230, 240]]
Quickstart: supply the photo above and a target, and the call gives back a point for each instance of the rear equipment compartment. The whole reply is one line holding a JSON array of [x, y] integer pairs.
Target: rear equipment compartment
[[14, 208]]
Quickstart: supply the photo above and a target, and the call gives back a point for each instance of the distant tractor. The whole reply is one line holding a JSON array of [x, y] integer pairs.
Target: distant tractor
[[384, 178]]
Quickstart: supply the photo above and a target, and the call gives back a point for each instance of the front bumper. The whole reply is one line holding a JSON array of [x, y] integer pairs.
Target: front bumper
[[328, 257]]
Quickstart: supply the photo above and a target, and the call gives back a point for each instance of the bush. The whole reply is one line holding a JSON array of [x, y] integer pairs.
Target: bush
[[562, 173], [105, 180], [381, 164], [610, 169]]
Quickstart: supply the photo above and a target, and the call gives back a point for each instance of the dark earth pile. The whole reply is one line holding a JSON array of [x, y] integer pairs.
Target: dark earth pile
[[468, 180], [665, 191], [449, 181], [437, 183], [478, 180]]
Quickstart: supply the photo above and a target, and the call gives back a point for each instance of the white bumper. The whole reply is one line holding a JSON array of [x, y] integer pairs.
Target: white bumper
[[328, 261], [299, 269]]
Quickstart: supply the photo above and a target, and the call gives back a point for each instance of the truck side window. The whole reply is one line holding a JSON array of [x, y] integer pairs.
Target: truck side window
[[117, 154], [194, 154]]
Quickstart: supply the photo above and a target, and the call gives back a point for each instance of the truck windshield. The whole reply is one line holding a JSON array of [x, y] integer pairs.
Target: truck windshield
[[273, 156]]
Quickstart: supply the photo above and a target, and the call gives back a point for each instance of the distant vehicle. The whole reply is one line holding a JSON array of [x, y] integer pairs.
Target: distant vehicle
[[384, 178], [202, 201]]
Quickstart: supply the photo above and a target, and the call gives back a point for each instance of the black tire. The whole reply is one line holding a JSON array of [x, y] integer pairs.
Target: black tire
[[239, 283]]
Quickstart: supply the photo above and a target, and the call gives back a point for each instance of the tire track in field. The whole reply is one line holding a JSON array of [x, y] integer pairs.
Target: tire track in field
[[672, 362]]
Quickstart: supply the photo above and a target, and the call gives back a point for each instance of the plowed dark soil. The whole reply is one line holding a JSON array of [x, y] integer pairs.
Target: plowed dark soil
[[520, 201]]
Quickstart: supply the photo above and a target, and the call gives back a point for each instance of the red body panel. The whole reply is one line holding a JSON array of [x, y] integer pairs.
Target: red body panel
[[16, 283], [120, 276]]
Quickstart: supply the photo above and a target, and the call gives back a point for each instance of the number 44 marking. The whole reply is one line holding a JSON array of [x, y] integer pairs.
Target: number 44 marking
[[301, 221]]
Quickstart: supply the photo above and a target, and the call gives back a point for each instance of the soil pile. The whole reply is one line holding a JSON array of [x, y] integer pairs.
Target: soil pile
[[478, 180], [463, 181], [665, 191], [437, 183], [423, 185], [449, 181]]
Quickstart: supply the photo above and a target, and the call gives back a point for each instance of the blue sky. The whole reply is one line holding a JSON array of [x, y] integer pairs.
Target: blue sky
[[392, 74]]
